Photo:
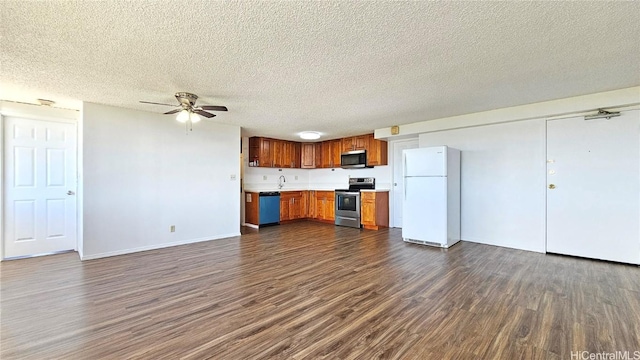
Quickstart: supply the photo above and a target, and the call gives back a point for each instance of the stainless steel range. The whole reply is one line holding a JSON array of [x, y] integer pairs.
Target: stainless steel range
[[348, 201]]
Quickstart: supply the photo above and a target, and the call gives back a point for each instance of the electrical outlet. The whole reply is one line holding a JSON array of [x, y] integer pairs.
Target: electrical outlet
[[233, 176], [264, 177], [296, 177], [173, 228]]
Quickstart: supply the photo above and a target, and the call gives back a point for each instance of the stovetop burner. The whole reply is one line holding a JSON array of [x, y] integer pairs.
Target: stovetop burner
[[357, 184]]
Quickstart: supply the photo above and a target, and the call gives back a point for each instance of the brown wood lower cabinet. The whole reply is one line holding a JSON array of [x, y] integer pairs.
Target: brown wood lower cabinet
[[251, 208], [320, 205], [374, 209], [293, 205], [325, 202]]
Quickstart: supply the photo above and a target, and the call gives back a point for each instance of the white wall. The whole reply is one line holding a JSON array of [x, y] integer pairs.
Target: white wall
[[254, 179], [503, 182], [2, 188], [339, 178], [142, 174], [612, 100], [504, 163], [312, 179], [80, 185]]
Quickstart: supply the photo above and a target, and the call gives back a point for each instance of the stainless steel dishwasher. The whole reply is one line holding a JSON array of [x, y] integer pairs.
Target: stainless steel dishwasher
[[269, 208]]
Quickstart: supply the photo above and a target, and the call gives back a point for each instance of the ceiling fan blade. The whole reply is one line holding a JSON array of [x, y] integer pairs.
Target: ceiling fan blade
[[204, 113], [214, 108], [173, 111], [155, 103]]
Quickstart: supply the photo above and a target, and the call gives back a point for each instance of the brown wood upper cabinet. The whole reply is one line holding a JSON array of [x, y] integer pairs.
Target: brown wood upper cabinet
[[376, 152], [376, 149], [309, 155], [360, 142], [331, 151], [265, 152]]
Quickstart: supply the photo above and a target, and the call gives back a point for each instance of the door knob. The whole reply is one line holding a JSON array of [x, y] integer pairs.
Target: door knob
[[70, 192], [552, 186]]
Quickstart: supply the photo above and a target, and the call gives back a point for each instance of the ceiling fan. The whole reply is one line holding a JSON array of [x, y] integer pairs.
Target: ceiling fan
[[187, 109]]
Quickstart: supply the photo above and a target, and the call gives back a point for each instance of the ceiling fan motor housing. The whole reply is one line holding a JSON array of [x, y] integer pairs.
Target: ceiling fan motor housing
[[186, 98], [188, 105]]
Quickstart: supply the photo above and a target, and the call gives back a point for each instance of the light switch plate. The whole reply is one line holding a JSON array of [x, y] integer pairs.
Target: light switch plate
[[264, 177]]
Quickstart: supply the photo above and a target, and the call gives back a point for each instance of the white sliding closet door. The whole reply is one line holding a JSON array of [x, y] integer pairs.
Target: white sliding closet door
[[593, 187]]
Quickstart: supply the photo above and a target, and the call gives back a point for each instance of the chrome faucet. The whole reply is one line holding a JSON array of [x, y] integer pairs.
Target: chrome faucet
[[281, 181]]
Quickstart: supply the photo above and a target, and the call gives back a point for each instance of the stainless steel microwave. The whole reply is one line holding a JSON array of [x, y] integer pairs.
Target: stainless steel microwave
[[353, 159]]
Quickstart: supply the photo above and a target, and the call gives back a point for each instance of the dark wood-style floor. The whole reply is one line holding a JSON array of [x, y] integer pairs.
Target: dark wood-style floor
[[307, 290]]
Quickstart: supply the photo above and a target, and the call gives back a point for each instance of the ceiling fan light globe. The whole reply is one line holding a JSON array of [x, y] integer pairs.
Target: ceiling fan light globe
[[194, 117], [183, 116]]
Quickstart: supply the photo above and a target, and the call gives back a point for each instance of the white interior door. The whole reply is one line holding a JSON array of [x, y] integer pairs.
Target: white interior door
[[40, 184], [398, 185], [593, 187]]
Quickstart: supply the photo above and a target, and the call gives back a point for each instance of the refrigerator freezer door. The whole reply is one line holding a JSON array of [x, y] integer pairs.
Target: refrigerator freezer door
[[424, 211], [431, 161]]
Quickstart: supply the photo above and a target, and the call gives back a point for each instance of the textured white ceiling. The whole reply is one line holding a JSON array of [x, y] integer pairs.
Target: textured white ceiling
[[340, 68]]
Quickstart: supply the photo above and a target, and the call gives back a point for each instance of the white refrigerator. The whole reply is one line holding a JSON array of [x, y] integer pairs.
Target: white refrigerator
[[431, 203]]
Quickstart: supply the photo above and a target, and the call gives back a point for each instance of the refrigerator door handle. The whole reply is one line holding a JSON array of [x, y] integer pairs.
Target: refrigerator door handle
[[404, 187], [404, 164]]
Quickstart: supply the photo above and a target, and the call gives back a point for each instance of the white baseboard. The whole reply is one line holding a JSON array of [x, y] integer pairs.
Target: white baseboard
[[156, 246], [251, 225], [505, 245]]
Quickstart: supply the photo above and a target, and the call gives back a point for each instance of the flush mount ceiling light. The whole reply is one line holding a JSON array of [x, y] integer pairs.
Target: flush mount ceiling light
[[310, 135]]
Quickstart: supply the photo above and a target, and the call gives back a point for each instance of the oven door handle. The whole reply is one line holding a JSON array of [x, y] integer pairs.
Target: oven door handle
[[347, 193]]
